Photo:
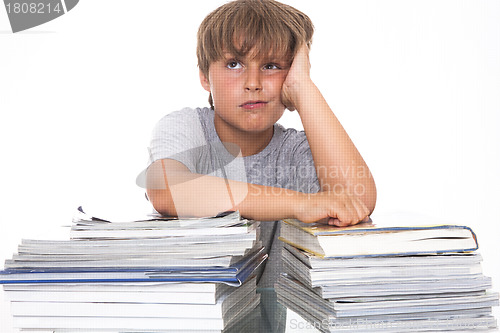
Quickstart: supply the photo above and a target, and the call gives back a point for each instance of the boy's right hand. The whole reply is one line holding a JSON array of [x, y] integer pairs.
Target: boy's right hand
[[297, 80], [336, 209]]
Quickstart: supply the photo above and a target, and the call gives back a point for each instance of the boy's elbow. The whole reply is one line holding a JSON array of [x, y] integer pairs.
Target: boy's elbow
[[157, 186], [162, 202]]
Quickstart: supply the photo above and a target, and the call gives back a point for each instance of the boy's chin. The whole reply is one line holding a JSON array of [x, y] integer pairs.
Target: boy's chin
[[254, 131], [257, 130], [253, 125]]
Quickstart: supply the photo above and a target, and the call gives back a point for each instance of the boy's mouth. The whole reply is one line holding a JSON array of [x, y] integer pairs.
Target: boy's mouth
[[250, 105]]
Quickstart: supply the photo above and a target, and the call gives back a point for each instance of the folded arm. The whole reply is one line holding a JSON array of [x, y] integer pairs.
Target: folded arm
[[174, 190]]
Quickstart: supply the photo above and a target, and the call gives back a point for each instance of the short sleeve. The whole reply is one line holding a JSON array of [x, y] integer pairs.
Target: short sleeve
[[178, 136]]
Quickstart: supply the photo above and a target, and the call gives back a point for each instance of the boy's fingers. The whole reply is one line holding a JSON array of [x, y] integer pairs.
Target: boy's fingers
[[350, 215], [333, 221], [339, 223], [325, 220], [353, 210], [285, 100], [363, 211], [358, 206]]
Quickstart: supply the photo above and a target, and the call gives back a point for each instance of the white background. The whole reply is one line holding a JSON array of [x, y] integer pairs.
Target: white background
[[415, 83]]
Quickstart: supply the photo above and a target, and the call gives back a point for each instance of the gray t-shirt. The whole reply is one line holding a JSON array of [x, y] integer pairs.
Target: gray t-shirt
[[189, 136]]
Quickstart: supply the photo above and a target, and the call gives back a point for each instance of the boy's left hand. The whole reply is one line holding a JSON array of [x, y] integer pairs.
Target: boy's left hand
[[297, 78]]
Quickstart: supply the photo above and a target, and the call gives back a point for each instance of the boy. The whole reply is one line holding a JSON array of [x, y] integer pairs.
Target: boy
[[245, 52], [253, 61]]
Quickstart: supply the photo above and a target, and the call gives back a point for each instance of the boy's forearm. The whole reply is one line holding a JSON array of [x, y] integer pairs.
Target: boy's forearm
[[338, 163], [174, 190], [201, 195]]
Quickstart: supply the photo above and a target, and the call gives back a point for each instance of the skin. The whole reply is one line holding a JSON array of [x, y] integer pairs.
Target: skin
[[331, 147], [249, 96], [233, 84]]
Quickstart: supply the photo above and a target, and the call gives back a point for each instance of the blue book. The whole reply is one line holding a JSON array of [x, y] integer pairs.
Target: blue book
[[234, 275]]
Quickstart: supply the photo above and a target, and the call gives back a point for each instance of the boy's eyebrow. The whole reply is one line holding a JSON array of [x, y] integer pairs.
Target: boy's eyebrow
[[228, 55], [265, 59]]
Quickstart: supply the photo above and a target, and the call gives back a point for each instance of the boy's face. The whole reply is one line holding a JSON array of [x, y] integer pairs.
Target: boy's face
[[246, 92]]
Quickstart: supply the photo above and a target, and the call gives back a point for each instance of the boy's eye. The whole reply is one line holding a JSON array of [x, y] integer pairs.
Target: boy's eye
[[233, 64], [272, 66]]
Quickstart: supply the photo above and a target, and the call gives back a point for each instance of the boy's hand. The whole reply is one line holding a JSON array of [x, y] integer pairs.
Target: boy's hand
[[332, 208], [298, 77]]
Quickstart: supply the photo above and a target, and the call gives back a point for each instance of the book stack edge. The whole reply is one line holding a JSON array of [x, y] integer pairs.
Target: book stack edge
[[368, 286], [148, 275]]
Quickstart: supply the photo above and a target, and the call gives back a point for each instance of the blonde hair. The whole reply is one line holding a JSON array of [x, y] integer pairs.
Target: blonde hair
[[265, 27]]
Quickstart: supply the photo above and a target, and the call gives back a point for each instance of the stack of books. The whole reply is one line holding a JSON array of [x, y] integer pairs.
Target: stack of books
[[366, 278], [148, 275]]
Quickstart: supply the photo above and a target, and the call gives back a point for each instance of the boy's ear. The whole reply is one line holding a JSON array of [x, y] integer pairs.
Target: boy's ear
[[205, 83]]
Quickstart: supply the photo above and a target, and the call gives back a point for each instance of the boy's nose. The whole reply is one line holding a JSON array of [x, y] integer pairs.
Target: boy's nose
[[253, 81]]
